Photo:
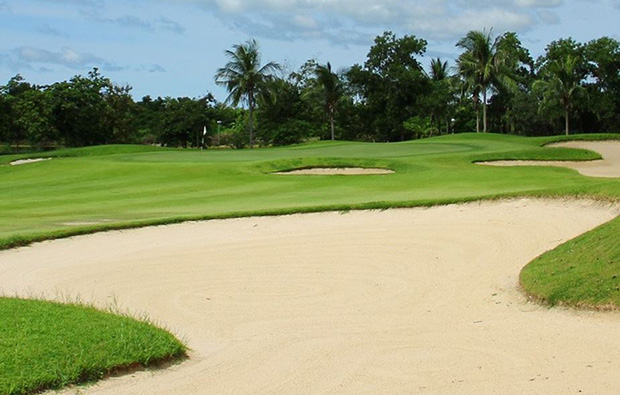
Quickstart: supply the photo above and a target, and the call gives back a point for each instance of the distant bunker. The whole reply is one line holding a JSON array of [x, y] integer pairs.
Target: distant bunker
[[608, 167], [336, 171], [26, 161]]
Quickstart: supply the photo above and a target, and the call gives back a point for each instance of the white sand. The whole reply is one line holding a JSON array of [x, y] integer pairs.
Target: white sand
[[336, 171], [380, 302], [609, 166], [27, 161]]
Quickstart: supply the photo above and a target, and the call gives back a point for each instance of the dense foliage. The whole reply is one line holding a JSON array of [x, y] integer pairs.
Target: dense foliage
[[495, 86]]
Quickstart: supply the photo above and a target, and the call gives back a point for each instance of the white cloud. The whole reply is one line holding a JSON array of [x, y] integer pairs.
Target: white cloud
[[539, 3], [65, 57], [134, 22], [305, 22], [82, 3], [431, 19], [456, 25]]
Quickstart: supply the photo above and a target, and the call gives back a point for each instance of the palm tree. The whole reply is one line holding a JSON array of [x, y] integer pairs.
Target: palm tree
[[332, 91], [439, 99], [439, 69], [468, 86], [562, 85], [481, 65], [244, 77]]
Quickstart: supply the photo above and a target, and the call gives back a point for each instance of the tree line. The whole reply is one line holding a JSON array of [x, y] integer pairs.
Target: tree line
[[494, 85]]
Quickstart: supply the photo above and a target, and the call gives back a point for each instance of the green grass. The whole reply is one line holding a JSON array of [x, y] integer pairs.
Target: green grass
[[107, 187], [45, 345], [556, 154], [578, 137], [84, 151], [584, 272], [111, 187]]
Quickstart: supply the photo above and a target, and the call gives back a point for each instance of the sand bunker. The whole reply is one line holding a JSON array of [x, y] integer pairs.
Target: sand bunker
[[26, 161], [335, 171], [608, 167], [381, 302]]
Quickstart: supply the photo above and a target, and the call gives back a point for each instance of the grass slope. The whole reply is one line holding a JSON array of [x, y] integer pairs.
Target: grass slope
[[46, 345], [584, 272]]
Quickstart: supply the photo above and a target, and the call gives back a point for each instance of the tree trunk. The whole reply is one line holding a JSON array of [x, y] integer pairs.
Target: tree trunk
[[331, 121], [476, 98], [484, 110], [566, 121], [251, 123]]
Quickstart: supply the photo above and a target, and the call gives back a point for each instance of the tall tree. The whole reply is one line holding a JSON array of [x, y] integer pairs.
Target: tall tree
[[32, 115], [603, 58], [505, 109], [390, 85], [80, 110], [13, 93], [245, 78], [283, 115], [332, 91], [440, 98], [469, 86], [561, 84], [482, 65], [439, 70]]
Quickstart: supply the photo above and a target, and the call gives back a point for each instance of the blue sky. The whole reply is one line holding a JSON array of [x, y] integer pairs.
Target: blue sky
[[174, 47]]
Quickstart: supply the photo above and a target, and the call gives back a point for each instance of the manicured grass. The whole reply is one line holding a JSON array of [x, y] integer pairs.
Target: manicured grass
[[46, 345], [579, 137], [584, 272], [112, 187], [99, 188], [557, 153], [84, 151]]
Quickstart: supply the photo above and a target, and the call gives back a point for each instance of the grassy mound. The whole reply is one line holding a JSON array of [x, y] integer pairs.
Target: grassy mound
[[542, 154], [45, 345], [584, 272]]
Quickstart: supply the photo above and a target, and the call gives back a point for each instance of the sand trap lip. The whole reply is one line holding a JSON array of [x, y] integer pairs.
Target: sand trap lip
[[608, 167], [27, 161], [395, 301], [337, 171]]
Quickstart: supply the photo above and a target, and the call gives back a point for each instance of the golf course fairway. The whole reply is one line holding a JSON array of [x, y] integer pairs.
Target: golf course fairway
[[420, 299]]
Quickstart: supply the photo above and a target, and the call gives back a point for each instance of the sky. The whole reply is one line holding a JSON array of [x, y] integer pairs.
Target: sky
[[174, 47]]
